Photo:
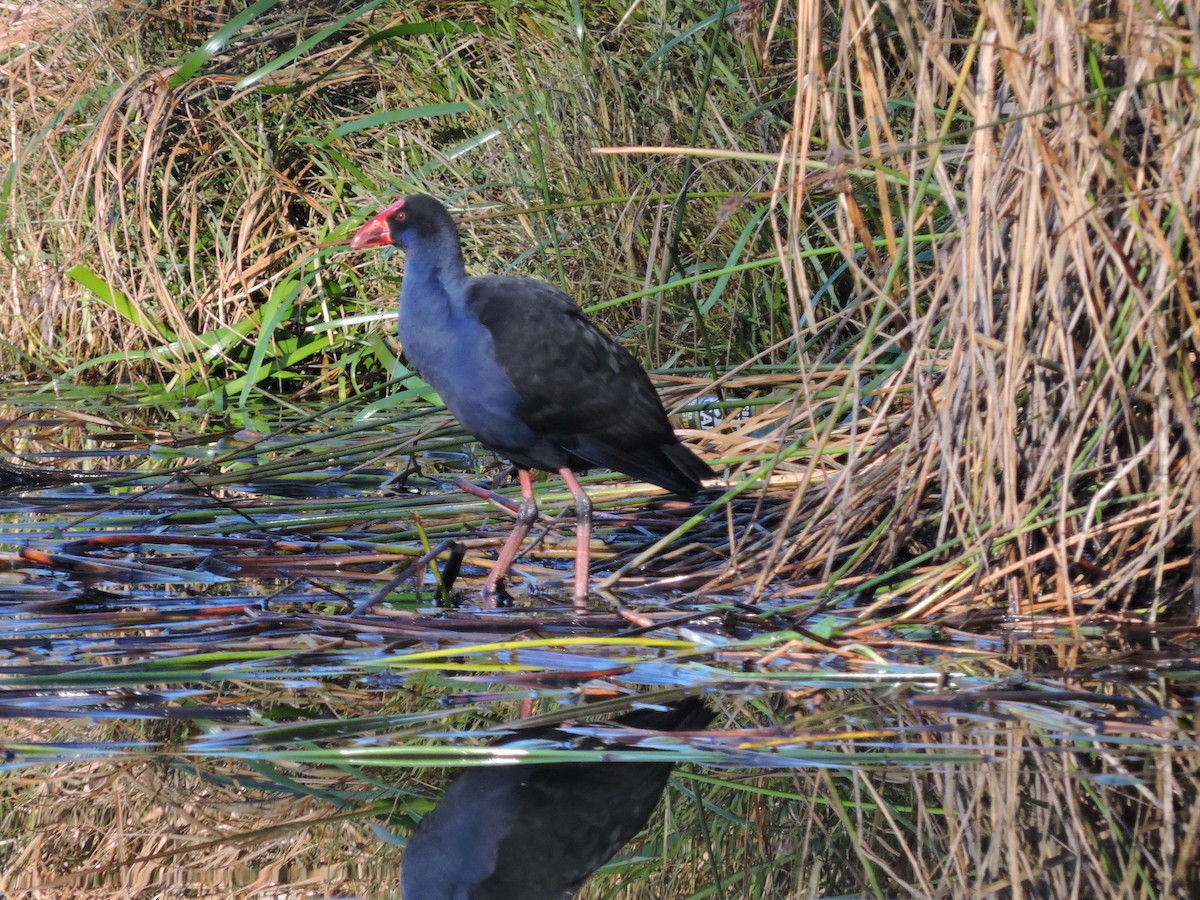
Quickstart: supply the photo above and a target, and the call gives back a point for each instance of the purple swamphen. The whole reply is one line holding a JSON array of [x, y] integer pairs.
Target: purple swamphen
[[536, 832], [528, 374]]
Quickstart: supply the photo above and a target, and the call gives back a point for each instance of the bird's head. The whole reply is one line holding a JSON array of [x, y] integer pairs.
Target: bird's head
[[406, 222]]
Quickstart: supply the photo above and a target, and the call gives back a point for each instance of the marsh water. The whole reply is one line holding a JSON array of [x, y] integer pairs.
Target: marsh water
[[191, 706]]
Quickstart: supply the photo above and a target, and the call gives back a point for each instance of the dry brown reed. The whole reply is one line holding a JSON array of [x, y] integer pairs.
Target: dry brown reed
[[1014, 205]]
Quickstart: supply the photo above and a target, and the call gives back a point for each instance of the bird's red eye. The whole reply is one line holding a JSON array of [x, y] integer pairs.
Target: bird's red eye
[[399, 215]]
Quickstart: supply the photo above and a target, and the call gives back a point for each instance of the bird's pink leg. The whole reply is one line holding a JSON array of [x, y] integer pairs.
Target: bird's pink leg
[[527, 514], [583, 536]]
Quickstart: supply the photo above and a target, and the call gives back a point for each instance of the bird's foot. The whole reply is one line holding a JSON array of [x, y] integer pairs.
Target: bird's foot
[[579, 598], [495, 596]]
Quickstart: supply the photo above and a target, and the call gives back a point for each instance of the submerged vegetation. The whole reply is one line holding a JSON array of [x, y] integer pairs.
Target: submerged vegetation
[[936, 265]]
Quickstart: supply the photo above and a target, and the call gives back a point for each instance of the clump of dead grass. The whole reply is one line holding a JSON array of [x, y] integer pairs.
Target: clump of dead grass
[[1011, 347]]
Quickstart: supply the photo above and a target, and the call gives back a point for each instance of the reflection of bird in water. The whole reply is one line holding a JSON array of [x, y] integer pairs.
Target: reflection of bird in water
[[536, 832]]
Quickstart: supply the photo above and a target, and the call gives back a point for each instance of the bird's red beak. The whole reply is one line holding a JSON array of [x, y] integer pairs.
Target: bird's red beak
[[377, 232]]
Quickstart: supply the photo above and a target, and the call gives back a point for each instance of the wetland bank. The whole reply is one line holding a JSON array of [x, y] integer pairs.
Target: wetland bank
[[919, 282]]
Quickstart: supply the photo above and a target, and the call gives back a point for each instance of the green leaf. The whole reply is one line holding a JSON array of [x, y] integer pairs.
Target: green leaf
[[215, 44], [732, 260], [408, 114], [111, 297], [275, 310], [670, 45], [304, 47]]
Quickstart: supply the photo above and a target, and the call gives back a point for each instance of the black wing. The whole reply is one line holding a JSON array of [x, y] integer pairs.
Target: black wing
[[579, 389]]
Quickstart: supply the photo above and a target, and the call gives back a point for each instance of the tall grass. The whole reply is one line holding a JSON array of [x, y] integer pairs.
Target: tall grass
[[957, 242]]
